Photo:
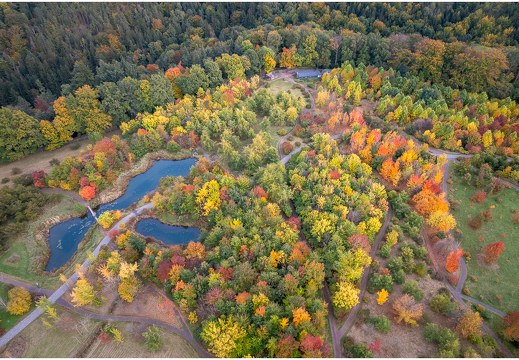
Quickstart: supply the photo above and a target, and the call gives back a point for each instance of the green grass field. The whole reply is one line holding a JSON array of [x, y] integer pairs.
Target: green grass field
[[486, 288]]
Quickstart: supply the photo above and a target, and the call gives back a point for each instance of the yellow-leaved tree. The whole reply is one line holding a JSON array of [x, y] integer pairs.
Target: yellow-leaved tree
[[83, 293], [223, 335], [346, 296], [19, 301], [382, 296]]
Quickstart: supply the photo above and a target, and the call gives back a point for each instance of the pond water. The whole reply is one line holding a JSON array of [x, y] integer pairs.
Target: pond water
[[168, 234], [65, 237]]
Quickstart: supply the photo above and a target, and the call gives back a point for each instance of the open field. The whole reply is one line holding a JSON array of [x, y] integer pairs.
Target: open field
[[490, 282], [40, 160], [280, 85], [63, 340], [133, 344]]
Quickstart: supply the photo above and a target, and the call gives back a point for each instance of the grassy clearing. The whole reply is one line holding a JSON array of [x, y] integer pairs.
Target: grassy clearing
[[486, 288], [40, 161], [57, 342], [30, 250], [280, 85], [9, 320], [174, 346]]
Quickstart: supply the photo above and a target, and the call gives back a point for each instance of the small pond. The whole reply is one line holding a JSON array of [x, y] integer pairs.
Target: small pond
[[65, 237], [168, 234]]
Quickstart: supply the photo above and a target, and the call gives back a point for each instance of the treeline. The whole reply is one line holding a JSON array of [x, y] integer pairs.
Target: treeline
[[43, 43]]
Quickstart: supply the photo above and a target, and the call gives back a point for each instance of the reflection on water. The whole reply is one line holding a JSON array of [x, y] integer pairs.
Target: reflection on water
[[168, 234]]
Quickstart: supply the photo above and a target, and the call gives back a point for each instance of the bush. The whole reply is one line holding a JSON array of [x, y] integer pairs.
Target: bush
[[385, 252], [361, 350], [153, 338], [411, 288], [399, 276], [16, 171], [5, 180], [441, 303], [379, 282], [287, 148], [308, 106], [290, 137], [421, 269], [298, 143], [173, 147], [282, 132], [475, 339], [95, 136], [19, 301], [75, 146], [453, 279], [382, 324]]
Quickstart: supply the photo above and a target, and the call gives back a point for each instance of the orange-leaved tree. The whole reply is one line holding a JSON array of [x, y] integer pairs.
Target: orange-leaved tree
[[408, 310], [453, 260]]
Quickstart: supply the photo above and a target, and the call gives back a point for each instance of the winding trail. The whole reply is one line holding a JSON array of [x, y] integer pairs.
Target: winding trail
[[457, 292], [365, 276]]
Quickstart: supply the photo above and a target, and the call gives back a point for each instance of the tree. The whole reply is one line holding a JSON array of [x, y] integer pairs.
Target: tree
[[288, 58], [453, 260], [470, 325], [382, 296], [408, 310], [269, 64], [153, 338], [85, 111], [87, 192], [20, 135], [511, 326], [442, 221], [83, 293], [286, 346], [492, 251], [214, 74], [19, 301], [223, 336], [299, 315], [310, 54], [347, 296]]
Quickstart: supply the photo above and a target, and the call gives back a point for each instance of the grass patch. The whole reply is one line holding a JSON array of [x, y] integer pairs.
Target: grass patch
[[174, 345], [280, 85], [57, 342], [486, 288]]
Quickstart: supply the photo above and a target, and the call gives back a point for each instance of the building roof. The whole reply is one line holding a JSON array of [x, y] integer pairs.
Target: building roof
[[311, 73]]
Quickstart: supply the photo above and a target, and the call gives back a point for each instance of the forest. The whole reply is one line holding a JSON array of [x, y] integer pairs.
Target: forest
[[50, 50]]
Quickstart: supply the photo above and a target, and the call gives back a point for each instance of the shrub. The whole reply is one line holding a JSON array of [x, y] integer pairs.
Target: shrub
[[441, 303], [411, 288], [75, 146], [479, 197], [466, 291], [308, 106], [379, 282], [492, 251], [361, 350], [173, 147], [5, 180], [282, 132], [290, 137], [54, 162], [399, 276], [16, 171], [153, 338], [447, 340], [385, 251], [382, 324], [298, 143], [299, 131], [453, 279], [287, 148]]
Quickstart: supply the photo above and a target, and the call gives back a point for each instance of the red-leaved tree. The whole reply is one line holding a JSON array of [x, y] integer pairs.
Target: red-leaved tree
[[38, 178], [479, 197], [359, 241], [163, 270], [87, 192], [492, 251], [511, 329]]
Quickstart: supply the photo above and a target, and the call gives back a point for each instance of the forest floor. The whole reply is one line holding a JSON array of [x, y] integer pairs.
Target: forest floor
[[40, 160], [489, 280]]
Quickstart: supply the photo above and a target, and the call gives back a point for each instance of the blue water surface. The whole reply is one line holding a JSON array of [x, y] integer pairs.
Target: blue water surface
[[65, 237], [168, 234]]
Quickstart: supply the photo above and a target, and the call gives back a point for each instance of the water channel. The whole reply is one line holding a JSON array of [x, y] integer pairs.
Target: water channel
[[65, 237]]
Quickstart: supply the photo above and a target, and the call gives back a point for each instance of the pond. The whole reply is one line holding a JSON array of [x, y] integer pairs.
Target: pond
[[168, 234], [65, 237]]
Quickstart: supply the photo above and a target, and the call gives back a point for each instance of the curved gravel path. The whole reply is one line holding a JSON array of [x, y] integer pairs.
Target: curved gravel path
[[364, 281]]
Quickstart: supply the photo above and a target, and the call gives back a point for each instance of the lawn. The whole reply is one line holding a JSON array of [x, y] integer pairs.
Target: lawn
[[31, 250], [57, 342], [9, 320], [133, 346], [280, 85], [40, 161], [503, 280]]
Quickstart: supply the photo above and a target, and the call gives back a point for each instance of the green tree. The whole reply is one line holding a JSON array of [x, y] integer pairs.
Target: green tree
[[310, 54]]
